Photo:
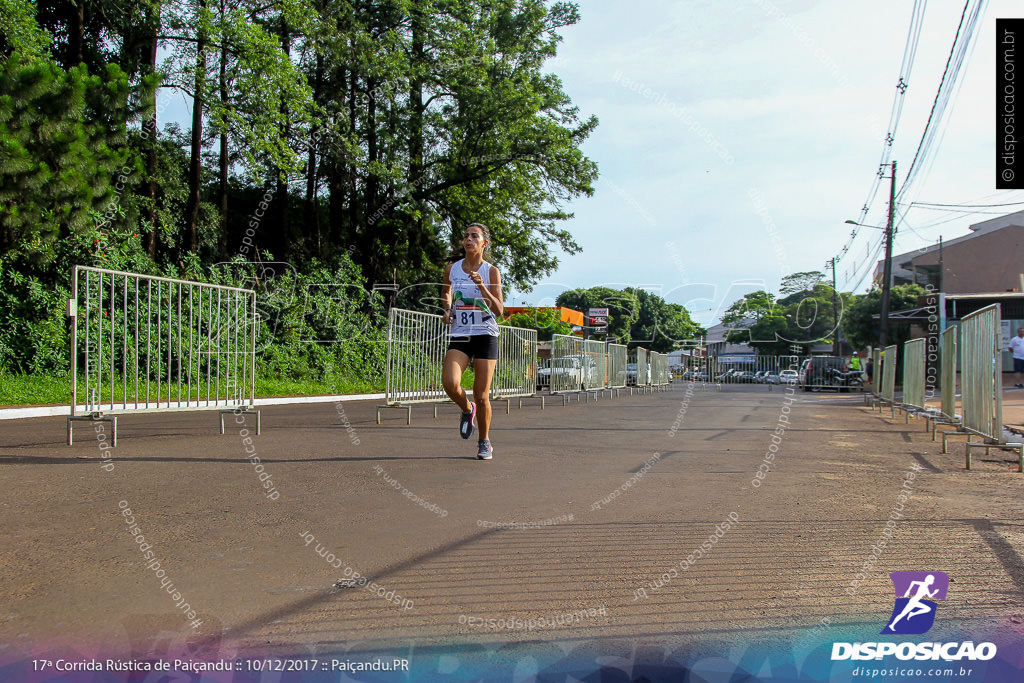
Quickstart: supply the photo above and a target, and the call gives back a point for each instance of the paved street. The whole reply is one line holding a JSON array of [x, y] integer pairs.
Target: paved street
[[593, 524]]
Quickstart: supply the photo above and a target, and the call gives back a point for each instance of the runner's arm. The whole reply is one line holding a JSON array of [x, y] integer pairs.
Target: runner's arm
[[446, 295], [492, 293]]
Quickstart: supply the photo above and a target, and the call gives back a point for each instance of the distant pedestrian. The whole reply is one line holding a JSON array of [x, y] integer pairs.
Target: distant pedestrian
[[1017, 346], [870, 369], [472, 300]]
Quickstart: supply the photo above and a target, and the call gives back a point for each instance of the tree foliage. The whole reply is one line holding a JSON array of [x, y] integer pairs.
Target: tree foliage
[[636, 317], [860, 325], [322, 133], [546, 321], [808, 312]]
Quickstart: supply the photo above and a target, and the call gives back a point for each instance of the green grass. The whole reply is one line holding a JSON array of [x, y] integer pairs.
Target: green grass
[[38, 389], [34, 390]]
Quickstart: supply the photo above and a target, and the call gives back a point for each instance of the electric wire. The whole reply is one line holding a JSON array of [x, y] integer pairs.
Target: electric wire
[[895, 114]]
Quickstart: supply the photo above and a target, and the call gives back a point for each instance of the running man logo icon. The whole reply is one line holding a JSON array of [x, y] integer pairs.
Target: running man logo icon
[[916, 593]]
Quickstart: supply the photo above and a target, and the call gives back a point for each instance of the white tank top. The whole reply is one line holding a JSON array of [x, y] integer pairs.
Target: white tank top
[[471, 315]]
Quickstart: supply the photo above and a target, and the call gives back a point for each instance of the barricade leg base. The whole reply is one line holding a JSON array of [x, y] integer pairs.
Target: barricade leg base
[[1019, 447], [408, 412], [236, 411], [94, 417], [946, 435]]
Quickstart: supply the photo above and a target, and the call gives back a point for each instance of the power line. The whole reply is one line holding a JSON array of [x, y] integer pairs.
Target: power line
[[896, 112], [949, 85]]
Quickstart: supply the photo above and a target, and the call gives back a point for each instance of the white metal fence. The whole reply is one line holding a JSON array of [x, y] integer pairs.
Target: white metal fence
[[141, 343], [643, 367], [659, 369], [516, 372], [913, 375], [617, 357], [947, 414], [889, 376], [569, 366], [877, 361], [417, 343], [947, 375], [981, 387], [598, 361]]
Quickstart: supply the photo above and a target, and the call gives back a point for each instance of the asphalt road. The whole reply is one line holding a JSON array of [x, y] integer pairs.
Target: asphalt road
[[639, 519]]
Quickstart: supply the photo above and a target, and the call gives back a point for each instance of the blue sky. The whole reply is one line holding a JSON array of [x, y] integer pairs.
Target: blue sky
[[737, 137]]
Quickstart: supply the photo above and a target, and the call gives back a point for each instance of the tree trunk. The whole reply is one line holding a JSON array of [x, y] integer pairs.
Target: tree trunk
[[76, 32], [195, 168], [149, 68], [222, 239], [312, 213], [281, 194], [414, 252]]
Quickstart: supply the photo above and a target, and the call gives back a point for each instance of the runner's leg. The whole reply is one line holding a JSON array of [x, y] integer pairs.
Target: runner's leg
[[455, 363], [483, 370]]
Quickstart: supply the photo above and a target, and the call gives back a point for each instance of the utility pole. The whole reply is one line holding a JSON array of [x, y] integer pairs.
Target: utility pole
[[883, 326], [835, 309]]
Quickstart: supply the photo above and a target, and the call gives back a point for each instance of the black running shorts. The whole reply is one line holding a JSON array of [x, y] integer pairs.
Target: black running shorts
[[483, 346]]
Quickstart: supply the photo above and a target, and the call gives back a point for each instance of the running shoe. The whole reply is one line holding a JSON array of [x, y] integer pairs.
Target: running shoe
[[466, 423], [485, 451]]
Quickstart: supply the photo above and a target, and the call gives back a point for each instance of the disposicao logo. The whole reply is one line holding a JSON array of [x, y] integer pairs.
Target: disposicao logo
[[916, 593], [914, 613]]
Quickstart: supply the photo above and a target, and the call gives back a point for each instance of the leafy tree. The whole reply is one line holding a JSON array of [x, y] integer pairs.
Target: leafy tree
[[20, 32], [438, 115], [802, 316], [64, 156], [623, 308], [862, 328], [659, 325], [546, 321], [800, 282], [752, 307], [636, 317]]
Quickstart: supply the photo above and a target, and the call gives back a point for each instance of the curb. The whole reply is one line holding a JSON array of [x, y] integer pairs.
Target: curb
[[51, 411]]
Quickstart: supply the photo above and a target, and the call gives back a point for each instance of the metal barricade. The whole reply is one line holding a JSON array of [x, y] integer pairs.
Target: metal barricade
[[515, 374], [417, 343], [875, 394], [659, 369], [596, 365], [566, 371], [947, 377], [141, 343], [888, 393], [643, 367], [982, 390], [948, 373], [913, 377], [617, 357]]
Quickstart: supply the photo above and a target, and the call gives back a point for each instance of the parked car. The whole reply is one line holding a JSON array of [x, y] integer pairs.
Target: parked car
[[631, 373], [814, 371], [789, 377], [772, 377], [568, 371]]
